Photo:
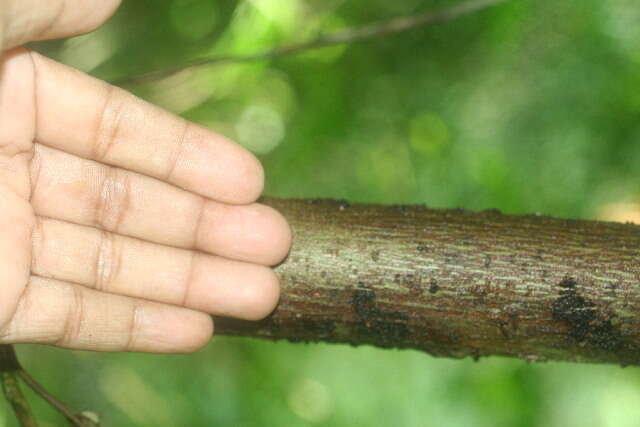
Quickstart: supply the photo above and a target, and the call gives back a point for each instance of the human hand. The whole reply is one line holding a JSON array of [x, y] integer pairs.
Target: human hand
[[122, 227]]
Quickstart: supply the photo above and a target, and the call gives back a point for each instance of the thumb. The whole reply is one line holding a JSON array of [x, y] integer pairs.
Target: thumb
[[22, 21]]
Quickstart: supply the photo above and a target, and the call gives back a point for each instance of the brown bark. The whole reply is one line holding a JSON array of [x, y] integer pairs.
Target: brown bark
[[456, 283]]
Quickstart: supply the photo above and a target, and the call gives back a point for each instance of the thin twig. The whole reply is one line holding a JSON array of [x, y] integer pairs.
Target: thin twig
[[57, 404], [350, 35], [9, 369], [18, 402]]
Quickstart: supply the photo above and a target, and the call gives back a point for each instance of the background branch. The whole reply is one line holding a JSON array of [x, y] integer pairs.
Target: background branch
[[9, 371], [346, 36], [456, 283]]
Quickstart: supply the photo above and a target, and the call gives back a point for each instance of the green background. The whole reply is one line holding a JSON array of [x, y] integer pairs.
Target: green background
[[526, 107]]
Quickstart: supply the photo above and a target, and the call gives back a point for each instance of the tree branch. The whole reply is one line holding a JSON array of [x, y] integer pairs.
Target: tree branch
[[350, 35], [9, 370], [456, 283], [75, 420]]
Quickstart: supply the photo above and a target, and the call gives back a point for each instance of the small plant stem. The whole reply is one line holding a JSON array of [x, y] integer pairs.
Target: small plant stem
[[9, 371]]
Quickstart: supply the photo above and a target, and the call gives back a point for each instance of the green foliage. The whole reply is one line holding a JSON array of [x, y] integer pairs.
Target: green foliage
[[526, 107]]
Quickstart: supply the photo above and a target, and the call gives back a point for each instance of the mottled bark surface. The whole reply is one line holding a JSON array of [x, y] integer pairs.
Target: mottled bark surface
[[456, 283]]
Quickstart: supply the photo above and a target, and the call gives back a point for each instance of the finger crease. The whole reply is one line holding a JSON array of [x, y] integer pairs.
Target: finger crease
[[36, 167], [175, 158], [190, 275], [113, 201], [195, 241], [106, 262], [108, 126], [133, 327], [74, 319], [38, 243]]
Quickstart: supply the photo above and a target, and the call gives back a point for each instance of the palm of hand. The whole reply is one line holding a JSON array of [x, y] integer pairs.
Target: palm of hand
[[122, 226]]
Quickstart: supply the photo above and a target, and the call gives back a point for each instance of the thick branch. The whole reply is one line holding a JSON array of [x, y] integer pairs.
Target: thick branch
[[349, 35], [456, 283]]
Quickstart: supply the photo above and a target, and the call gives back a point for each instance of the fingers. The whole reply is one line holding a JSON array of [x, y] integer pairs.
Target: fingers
[[71, 316], [16, 121], [126, 266], [85, 192], [91, 119], [16, 225], [28, 20]]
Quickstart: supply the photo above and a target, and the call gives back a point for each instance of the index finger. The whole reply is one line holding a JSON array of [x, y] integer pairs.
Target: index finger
[[22, 21], [92, 119]]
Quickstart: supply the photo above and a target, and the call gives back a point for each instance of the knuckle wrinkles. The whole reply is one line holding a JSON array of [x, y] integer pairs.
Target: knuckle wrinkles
[[74, 320], [114, 199], [108, 261], [108, 124], [175, 158], [35, 168], [133, 327], [195, 241], [194, 256], [38, 243]]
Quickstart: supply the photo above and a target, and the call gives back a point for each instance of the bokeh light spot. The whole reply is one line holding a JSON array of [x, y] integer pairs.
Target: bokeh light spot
[[260, 128], [88, 51], [310, 400], [620, 212]]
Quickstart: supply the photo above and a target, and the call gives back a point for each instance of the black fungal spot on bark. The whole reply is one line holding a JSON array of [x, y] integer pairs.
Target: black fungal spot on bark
[[451, 258], [487, 261], [363, 285], [504, 328], [363, 302], [475, 354], [404, 210], [384, 328], [493, 211], [479, 292], [611, 286], [567, 283], [586, 324], [319, 328], [422, 248], [433, 286]]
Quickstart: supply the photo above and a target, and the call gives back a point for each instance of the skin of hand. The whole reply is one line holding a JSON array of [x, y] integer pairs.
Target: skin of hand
[[122, 227]]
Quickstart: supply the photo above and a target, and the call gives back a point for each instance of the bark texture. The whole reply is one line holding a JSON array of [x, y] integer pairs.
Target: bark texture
[[456, 283]]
